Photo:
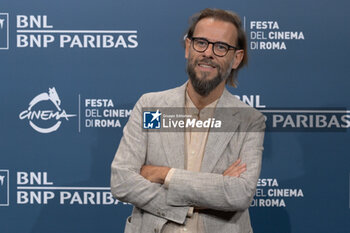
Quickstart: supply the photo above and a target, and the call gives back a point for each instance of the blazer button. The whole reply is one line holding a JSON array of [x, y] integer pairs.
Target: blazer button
[[163, 214]]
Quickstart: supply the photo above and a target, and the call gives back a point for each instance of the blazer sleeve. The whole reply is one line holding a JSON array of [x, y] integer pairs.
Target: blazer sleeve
[[218, 192], [128, 185]]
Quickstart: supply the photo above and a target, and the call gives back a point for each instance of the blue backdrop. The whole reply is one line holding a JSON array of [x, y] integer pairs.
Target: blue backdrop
[[80, 66]]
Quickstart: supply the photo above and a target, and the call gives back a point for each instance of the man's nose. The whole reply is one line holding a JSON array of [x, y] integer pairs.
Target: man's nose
[[209, 51]]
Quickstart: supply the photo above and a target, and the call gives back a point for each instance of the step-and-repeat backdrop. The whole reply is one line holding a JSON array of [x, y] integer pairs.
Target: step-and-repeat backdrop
[[71, 71]]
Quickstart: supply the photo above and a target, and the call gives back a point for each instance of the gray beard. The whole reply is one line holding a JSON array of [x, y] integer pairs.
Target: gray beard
[[202, 86]]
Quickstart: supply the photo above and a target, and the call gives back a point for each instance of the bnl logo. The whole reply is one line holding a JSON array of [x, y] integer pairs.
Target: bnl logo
[[4, 31], [4, 187], [151, 120]]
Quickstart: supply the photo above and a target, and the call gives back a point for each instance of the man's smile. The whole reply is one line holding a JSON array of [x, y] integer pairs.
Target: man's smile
[[205, 66]]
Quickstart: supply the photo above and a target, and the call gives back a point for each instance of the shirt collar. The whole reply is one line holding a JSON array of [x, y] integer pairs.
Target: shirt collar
[[206, 112]]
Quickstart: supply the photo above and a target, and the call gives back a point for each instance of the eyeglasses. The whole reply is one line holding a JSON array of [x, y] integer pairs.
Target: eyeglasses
[[220, 49]]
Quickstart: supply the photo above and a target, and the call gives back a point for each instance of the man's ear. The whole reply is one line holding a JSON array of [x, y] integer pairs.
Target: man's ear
[[239, 54], [187, 47]]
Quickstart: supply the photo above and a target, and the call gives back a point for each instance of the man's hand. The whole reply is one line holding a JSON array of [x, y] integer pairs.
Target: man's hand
[[235, 169], [154, 174]]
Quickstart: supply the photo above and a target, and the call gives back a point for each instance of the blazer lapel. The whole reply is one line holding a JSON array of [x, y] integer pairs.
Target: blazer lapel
[[174, 142], [217, 141]]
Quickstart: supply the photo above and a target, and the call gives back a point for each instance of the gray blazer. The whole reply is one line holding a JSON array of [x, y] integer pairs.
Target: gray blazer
[[226, 198]]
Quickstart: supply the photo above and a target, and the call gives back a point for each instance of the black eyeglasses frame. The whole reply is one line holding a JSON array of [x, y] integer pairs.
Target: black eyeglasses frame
[[230, 47]]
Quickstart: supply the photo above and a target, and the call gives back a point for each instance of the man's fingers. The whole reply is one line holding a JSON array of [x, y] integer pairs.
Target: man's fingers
[[232, 166], [236, 171], [243, 169], [238, 161], [231, 169]]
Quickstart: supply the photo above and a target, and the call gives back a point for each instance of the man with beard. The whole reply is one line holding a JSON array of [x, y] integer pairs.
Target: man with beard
[[195, 181]]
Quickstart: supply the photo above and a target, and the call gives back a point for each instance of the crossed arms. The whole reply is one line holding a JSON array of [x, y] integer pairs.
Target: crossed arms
[[157, 174], [141, 185]]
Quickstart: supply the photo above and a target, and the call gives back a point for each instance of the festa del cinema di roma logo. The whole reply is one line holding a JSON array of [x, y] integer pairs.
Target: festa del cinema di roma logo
[[45, 115]]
